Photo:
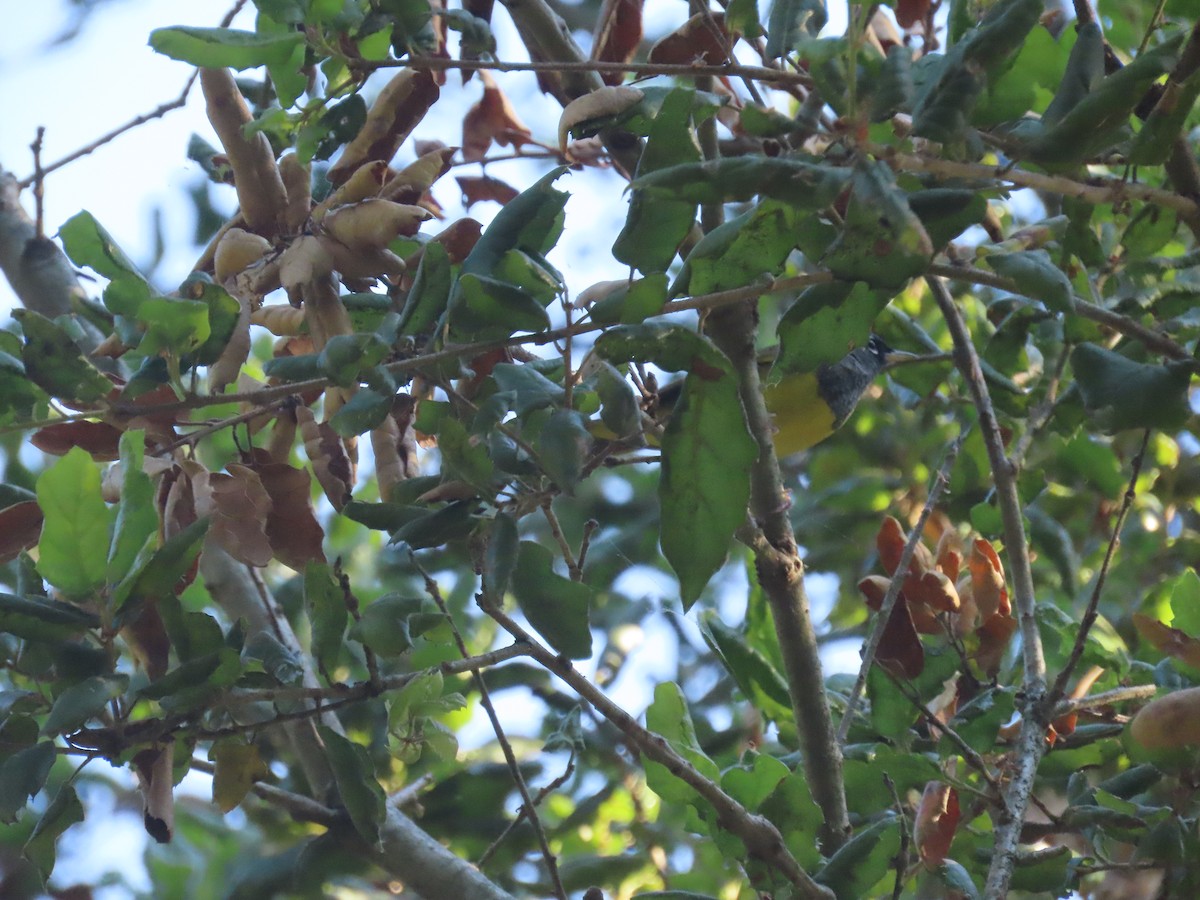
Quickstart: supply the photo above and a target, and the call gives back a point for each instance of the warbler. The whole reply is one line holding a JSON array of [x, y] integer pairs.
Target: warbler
[[808, 407]]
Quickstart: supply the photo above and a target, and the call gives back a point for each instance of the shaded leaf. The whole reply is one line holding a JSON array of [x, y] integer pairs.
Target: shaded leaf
[[556, 606]]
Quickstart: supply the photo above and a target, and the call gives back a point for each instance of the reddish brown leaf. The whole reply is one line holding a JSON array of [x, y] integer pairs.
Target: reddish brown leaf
[[994, 635], [932, 589], [292, 527], [99, 439], [330, 460], [987, 580], [147, 639], [238, 506], [703, 39], [900, 650], [890, 541], [20, 528], [1171, 641], [911, 12], [460, 238], [936, 821], [481, 188], [618, 34], [398, 109], [492, 119]]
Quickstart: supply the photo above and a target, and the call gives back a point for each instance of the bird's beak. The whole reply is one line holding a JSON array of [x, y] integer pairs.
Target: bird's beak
[[899, 357]]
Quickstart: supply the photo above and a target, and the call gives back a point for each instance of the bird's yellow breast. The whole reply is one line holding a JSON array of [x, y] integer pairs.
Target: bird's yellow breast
[[801, 415]]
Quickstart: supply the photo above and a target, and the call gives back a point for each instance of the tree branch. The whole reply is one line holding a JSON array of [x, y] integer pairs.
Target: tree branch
[[1031, 742]]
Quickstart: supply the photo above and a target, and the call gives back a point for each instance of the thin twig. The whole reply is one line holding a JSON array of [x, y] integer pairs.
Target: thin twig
[[485, 699], [561, 539], [542, 794], [1105, 698], [1090, 614], [1095, 190], [761, 838], [737, 70], [940, 479], [39, 185], [1031, 740]]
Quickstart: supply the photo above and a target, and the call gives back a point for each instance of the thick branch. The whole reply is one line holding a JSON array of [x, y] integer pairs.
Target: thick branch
[[781, 575]]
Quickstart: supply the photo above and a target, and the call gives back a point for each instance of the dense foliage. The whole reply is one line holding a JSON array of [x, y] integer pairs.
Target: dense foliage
[[371, 479]]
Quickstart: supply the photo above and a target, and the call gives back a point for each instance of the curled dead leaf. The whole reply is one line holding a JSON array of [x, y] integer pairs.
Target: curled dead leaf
[[492, 119], [237, 250], [373, 224], [703, 40], [607, 101], [398, 109]]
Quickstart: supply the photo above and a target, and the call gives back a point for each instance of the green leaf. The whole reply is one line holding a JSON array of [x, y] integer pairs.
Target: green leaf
[[136, 517], [344, 356], [1119, 393], [22, 775], [883, 241], [88, 244], [430, 291], [1085, 69], [668, 716], [174, 326], [485, 308], [533, 390], [54, 362], [654, 228], [806, 185], [1036, 276], [434, 529], [159, 575], [531, 222], [358, 788], [363, 412], [707, 454], [633, 302], [752, 785], [81, 701], [224, 310], [891, 712], [1154, 143], [1098, 121], [757, 678], [327, 613], [946, 213], [500, 558], [42, 619], [863, 861], [464, 458], [73, 550], [555, 606], [1149, 231], [238, 766], [790, 22], [218, 48], [736, 253], [823, 322], [563, 446], [391, 624], [63, 812]]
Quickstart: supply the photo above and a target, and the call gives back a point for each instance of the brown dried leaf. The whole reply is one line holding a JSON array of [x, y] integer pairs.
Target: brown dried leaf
[[155, 770], [703, 39], [366, 182], [261, 195], [936, 821], [237, 250], [987, 580], [900, 650], [994, 635], [588, 152], [1171, 641], [292, 528], [238, 506], [324, 312], [492, 119], [146, 637], [601, 103], [911, 12], [412, 182], [20, 529], [99, 439], [934, 590], [229, 364], [305, 261], [373, 224], [297, 182], [280, 319], [481, 188], [618, 34], [398, 109], [330, 461], [460, 238]]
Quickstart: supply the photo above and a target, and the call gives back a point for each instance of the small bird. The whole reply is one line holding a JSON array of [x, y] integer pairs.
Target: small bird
[[808, 407]]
